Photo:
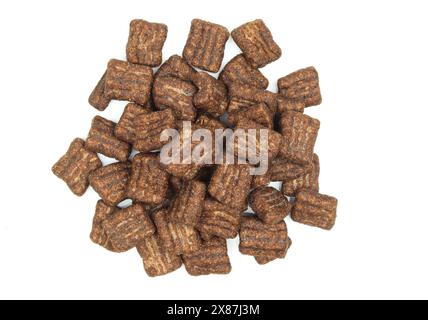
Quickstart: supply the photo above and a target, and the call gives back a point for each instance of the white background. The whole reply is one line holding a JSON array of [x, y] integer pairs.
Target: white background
[[372, 60]]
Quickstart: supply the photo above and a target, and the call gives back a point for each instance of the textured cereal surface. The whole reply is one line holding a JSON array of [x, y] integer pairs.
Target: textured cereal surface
[[309, 180], [98, 234], [212, 94], [125, 129], [269, 205], [98, 99], [244, 96]]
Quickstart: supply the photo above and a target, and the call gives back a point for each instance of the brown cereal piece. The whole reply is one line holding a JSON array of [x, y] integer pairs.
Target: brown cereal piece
[[205, 44], [264, 259], [219, 220], [212, 94], [211, 258], [110, 182], [175, 237], [230, 185], [157, 261], [127, 81], [260, 239], [244, 96], [259, 113], [274, 141], [314, 209], [145, 42], [261, 179], [256, 42], [205, 236], [269, 205], [282, 169], [175, 94], [177, 67], [300, 133], [128, 227], [207, 122], [188, 204], [301, 86], [101, 139], [98, 234], [75, 166], [148, 182], [239, 70], [125, 128], [148, 128], [289, 105], [307, 181], [98, 99]]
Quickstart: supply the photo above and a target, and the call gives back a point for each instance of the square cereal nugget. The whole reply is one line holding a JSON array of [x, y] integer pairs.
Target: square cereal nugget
[[128, 227], [269, 205], [211, 96], [98, 99], [188, 204], [127, 81], [145, 42], [149, 127], [76, 165], [175, 237], [256, 42], [231, 184], [266, 259], [98, 234], [309, 180], [244, 96], [148, 182], [176, 67], [205, 45], [300, 133], [285, 104], [219, 220], [125, 128], [259, 113], [175, 94], [211, 258], [301, 86], [283, 170], [239, 70], [260, 239], [157, 261], [110, 182], [314, 209], [101, 139]]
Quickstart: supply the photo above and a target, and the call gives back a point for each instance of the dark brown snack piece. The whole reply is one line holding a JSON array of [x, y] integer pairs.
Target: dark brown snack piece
[[219, 220], [314, 209], [260, 239], [149, 127], [211, 258], [110, 182], [309, 180], [256, 42], [301, 86], [283, 170], [157, 261], [212, 94], [244, 96], [207, 122], [175, 237], [127, 81], [148, 182], [177, 67], [261, 179], [75, 166], [259, 113], [264, 260], [125, 128], [145, 42], [205, 44], [230, 185], [128, 227], [239, 70], [300, 133], [188, 204], [269, 205], [101, 139], [98, 234], [175, 94], [98, 99], [275, 141], [285, 104]]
